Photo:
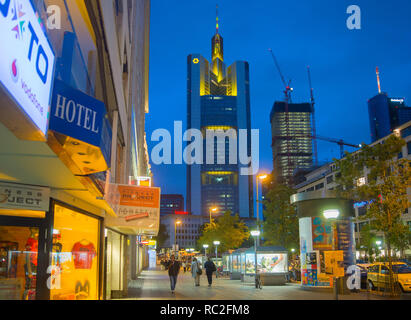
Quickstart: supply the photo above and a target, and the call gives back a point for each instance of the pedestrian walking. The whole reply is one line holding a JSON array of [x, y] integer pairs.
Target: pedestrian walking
[[210, 268], [184, 266], [196, 271], [173, 267]]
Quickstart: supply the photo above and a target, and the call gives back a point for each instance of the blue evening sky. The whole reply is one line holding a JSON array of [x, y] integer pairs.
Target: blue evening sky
[[301, 33]]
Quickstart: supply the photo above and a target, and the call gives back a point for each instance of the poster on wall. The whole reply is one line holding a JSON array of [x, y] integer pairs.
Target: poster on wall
[[334, 263], [138, 208], [322, 234], [345, 241]]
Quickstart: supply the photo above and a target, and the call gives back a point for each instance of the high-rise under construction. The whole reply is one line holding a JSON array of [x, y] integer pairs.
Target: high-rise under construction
[[292, 145]]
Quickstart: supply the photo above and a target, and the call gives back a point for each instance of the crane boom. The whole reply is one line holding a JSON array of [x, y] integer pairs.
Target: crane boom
[[314, 128]]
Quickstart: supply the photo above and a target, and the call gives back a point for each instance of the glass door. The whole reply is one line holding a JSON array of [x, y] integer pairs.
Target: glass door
[[18, 262]]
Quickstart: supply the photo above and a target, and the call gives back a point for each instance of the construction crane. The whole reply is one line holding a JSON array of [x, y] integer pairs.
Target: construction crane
[[314, 128], [287, 100], [340, 142]]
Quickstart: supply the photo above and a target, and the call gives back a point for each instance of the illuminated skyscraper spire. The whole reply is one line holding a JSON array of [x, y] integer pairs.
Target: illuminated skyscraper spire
[[217, 26]]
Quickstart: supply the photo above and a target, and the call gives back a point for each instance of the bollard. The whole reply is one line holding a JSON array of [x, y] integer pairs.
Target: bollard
[[335, 288]]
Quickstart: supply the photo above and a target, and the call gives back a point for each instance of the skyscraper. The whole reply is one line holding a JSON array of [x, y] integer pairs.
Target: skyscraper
[[292, 144], [386, 114], [218, 98]]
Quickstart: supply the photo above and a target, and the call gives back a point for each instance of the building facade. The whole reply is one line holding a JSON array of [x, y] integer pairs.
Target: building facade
[[171, 203], [218, 100], [69, 136], [291, 140], [386, 114], [182, 230], [323, 178]]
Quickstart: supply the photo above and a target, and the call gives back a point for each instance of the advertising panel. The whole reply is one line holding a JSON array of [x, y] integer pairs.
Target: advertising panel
[[138, 208], [266, 262], [272, 263], [334, 263], [346, 241], [27, 61], [322, 234], [250, 263]]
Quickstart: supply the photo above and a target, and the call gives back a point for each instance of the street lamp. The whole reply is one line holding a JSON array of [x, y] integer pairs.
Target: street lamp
[[175, 233], [259, 177], [205, 246], [216, 243], [212, 210], [332, 215], [255, 234]]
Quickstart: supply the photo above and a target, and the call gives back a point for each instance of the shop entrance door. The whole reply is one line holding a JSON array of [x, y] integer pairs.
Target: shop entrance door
[[19, 256]]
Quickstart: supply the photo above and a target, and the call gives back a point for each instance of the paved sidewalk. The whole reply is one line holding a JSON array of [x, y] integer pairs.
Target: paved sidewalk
[[155, 285]]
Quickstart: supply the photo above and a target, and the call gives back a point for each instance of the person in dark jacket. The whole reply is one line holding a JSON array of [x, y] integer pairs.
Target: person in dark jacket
[[173, 267], [210, 268]]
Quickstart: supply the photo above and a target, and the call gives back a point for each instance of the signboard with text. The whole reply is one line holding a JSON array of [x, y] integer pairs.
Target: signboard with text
[[27, 65], [22, 197], [137, 207]]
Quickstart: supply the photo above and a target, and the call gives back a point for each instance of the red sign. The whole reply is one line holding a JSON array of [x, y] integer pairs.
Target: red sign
[[180, 212], [144, 242]]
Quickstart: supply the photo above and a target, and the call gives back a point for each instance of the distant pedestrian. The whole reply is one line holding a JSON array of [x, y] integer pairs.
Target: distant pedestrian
[[184, 266], [173, 267], [196, 272], [210, 268]]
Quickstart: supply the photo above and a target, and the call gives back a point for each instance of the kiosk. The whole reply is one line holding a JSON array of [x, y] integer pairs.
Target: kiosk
[[272, 265]]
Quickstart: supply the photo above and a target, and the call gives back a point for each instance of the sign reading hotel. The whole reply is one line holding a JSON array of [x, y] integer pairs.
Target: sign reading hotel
[[137, 207], [26, 70]]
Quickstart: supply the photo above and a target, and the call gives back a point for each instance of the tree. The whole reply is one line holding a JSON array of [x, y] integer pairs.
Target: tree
[[367, 241], [228, 229], [387, 180], [162, 236], [281, 221]]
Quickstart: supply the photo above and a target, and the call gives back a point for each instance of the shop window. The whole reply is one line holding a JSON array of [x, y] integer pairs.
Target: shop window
[[18, 262], [75, 257]]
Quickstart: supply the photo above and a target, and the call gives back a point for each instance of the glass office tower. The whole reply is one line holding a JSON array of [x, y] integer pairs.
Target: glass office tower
[[386, 114], [218, 98]]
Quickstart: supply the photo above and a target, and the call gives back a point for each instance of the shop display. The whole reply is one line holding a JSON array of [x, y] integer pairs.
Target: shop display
[[75, 252], [82, 290], [83, 254], [8, 259], [249, 263], [31, 265]]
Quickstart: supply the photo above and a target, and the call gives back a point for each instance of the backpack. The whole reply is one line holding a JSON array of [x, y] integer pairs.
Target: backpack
[[199, 271]]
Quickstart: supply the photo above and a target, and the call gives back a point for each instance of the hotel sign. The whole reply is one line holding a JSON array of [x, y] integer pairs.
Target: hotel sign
[[26, 70], [21, 197]]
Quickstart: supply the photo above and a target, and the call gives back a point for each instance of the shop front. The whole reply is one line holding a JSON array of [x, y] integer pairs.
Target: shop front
[[70, 266], [116, 264]]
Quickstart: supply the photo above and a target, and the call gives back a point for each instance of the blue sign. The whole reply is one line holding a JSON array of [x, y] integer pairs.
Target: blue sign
[[80, 116]]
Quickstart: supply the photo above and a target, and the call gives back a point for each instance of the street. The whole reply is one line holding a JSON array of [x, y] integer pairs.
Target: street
[[155, 285]]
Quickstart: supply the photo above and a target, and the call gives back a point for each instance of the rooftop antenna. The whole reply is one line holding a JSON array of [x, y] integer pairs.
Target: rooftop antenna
[[217, 26], [378, 80]]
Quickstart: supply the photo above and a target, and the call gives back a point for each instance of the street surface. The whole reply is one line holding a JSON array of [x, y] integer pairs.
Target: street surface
[[155, 285]]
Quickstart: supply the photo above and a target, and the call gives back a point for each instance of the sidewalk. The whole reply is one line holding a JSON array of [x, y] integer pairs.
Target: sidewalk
[[155, 285]]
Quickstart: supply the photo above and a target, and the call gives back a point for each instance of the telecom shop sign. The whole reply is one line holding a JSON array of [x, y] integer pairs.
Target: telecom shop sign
[[80, 116], [27, 61], [21, 197]]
